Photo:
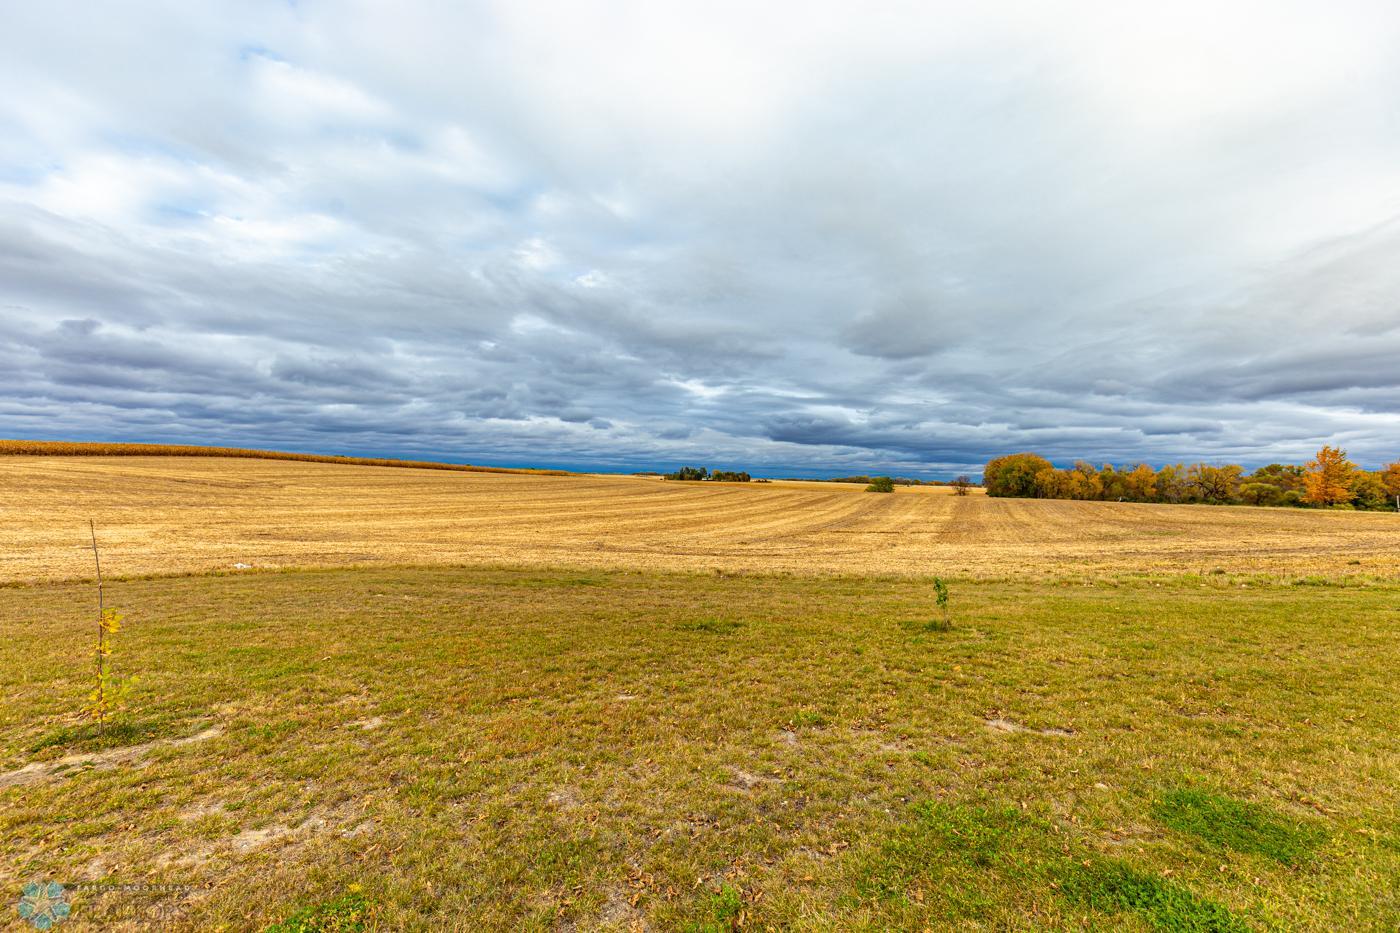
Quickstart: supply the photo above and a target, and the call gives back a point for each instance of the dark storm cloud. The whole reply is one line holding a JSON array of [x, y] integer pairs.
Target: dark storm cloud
[[792, 238]]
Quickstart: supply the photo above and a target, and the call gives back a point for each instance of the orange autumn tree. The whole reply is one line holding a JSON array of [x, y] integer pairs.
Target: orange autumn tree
[[1390, 478], [1328, 480], [1140, 483]]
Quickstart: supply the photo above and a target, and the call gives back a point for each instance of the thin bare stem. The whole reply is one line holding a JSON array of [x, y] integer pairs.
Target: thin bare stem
[[101, 637]]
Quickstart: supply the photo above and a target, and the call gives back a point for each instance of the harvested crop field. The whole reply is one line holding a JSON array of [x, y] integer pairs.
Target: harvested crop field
[[178, 514]]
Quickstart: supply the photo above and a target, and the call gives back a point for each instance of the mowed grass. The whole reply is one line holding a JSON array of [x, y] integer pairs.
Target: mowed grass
[[559, 749]]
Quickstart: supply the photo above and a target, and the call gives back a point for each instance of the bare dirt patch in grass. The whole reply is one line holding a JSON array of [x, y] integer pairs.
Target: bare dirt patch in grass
[[746, 780], [72, 764], [339, 821], [1000, 724]]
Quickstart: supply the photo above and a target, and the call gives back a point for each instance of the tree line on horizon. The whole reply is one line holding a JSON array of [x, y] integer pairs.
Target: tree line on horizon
[[1329, 480], [704, 475]]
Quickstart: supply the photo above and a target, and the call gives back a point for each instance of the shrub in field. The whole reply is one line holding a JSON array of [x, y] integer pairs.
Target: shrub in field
[[880, 484], [108, 691], [944, 621]]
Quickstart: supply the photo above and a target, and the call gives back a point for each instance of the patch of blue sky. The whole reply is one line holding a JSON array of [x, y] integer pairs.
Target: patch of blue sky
[[27, 174], [250, 52], [177, 213], [130, 144]]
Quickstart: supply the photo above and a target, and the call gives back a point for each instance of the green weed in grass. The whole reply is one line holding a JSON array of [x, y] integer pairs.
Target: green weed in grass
[[1226, 823], [951, 854], [1113, 886], [722, 911], [712, 626], [965, 858], [345, 914], [808, 718], [273, 731]]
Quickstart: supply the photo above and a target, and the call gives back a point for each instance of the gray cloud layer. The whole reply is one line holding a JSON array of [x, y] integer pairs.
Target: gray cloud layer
[[907, 238]]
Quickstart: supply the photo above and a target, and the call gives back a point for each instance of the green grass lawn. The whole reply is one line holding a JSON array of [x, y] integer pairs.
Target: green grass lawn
[[495, 749]]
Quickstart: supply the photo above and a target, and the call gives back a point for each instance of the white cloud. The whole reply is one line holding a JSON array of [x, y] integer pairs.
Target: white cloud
[[300, 96]]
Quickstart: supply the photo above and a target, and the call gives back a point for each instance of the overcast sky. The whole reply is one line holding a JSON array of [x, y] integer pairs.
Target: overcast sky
[[790, 237]]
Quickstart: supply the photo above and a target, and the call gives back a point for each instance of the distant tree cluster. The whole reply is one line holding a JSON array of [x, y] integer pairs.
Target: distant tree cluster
[[701, 475], [1330, 480]]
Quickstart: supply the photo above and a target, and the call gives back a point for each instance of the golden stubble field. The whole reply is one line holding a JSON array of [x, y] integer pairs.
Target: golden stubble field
[[174, 514]]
